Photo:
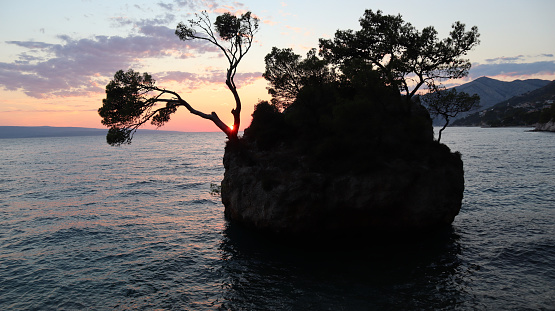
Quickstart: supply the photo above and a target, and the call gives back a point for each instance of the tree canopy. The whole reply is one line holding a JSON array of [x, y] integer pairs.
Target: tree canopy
[[386, 53], [133, 99], [403, 56], [449, 103], [287, 73]]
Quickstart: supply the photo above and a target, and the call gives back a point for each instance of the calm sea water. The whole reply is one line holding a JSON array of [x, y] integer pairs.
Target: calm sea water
[[86, 226]]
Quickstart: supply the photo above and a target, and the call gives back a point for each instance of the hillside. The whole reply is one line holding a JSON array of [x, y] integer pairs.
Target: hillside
[[522, 110], [493, 91]]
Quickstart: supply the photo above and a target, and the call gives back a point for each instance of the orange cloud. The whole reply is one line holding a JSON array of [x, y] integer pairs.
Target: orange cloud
[[269, 22], [295, 29]]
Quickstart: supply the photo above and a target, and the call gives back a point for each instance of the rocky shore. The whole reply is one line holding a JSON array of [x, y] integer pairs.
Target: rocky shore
[[545, 127], [391, 178]]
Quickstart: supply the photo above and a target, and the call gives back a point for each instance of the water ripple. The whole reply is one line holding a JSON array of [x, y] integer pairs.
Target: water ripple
[[84, 226]]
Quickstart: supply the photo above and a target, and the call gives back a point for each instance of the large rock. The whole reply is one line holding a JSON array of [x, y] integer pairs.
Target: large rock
[[545, 127], [275, 191]]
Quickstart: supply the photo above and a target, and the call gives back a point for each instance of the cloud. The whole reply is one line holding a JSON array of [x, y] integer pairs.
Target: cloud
[[166, 19], [120, 21], [519, 58], [195, 81], [153, 31], [230, 9], [167, 6], [123, 21], [246, 78], [269, 22], [513, 69], [295, 29], [75, 66], [197, 5], [504, 59], [31, 44], [189, 4]]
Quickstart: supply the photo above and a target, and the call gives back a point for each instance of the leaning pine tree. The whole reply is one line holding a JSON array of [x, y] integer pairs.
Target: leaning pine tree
[[132, 99]]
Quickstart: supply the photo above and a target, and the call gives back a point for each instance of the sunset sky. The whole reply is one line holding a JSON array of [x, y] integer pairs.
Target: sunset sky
[[57, 56]]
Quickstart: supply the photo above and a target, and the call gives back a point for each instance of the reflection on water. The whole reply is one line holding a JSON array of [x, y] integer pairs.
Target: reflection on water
[[416, 274]]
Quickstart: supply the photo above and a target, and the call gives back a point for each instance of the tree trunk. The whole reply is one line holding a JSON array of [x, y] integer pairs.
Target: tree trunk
[[444, 126], [235, 112]]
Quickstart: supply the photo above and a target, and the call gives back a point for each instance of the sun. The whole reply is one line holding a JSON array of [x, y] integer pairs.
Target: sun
[[231, 127]]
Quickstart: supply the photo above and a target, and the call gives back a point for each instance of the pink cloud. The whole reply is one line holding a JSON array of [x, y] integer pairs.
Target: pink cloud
[[195, 81], [269, 22], [67, 68], [295, 29], [82, 66], [247, 78]]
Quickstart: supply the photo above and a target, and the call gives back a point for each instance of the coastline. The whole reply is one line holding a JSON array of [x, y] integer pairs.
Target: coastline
[[545, 127]]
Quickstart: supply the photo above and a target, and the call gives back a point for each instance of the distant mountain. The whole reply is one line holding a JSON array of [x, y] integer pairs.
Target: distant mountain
[[523, 110], [48, 131], [493, 91]]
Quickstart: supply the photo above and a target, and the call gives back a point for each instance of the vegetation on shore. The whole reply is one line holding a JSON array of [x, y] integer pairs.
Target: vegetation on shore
[[351, 81], [358, 93]]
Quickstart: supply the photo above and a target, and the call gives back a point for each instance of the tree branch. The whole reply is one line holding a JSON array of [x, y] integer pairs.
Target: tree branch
[[181, 102]]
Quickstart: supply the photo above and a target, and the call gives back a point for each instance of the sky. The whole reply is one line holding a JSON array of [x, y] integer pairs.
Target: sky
[[56, 57]]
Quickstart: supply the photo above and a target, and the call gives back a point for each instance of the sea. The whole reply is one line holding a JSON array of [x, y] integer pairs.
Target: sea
[[88, 226]]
